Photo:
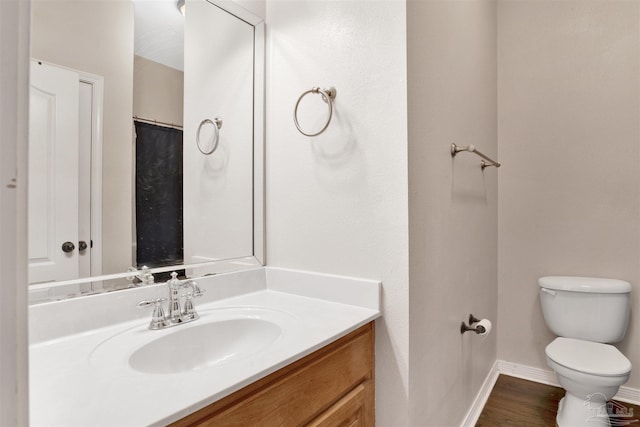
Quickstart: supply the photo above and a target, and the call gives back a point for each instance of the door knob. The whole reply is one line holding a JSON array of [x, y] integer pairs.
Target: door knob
[[82, 246], [68, 247]]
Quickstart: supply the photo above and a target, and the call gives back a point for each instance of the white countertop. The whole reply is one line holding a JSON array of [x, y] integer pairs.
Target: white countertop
[[81, 380]]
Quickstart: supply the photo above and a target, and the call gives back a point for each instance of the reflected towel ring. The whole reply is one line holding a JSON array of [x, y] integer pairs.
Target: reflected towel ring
[[217, 124], [328, 95]]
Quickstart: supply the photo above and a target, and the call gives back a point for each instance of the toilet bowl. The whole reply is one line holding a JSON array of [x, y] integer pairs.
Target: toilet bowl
[[591, 373], [586, 313]]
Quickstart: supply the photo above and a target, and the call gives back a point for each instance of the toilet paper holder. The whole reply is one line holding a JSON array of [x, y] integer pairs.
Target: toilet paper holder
[[479, 329]]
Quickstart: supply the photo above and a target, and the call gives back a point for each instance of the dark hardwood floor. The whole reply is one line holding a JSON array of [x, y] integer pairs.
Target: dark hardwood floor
[[519, 403]]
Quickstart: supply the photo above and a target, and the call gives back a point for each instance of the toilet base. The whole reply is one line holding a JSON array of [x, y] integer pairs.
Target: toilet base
[[578, 412]]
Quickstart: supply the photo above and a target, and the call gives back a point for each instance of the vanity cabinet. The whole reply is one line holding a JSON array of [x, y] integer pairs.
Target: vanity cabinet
[[334, 386]]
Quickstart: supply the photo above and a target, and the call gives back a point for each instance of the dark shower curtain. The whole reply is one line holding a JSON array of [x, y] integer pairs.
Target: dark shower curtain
[[159, 229]]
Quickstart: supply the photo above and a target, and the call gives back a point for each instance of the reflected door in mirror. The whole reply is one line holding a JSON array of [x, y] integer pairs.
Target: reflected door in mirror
[[53, 173], [61, 128]]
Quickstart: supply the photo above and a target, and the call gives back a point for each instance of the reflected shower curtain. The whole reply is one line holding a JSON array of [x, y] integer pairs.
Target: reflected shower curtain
[[159, 222]]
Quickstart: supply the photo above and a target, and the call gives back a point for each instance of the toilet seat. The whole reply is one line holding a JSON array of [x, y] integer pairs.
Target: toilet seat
[[588, 357]]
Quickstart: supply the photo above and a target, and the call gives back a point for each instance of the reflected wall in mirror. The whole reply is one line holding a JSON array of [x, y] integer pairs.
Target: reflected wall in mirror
[[209, 207]]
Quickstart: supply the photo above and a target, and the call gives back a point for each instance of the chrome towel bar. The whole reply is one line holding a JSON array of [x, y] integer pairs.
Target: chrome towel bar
[[328, 95], [470, 148], [216, 124]]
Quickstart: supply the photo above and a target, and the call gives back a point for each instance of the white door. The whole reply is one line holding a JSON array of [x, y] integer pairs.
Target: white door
[[53, 174]]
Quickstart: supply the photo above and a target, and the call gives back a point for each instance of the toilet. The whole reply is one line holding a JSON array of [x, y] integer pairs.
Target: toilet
[[586, 314]]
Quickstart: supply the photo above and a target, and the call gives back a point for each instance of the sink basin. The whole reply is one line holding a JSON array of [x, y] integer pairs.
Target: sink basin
[[221, 336], [204, 345]]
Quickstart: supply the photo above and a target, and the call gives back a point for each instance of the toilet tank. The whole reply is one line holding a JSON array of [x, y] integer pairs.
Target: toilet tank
[[586, 308]]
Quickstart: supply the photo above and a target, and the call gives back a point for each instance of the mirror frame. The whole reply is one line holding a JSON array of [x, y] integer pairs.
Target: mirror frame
[[258, 258]]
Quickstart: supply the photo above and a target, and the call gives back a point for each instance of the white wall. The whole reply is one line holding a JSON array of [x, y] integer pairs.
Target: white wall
[[453, 250], [14, 81], [569, 110], [337, 203], [218, 188], [105, 48], [257, 7]]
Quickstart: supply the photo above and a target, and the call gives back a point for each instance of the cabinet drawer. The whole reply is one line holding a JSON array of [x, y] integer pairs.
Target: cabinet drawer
[[350, 411], [299, 392]]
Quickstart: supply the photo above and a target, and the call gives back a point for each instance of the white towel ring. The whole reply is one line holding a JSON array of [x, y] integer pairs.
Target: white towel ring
[[217, 124], [328, 95]]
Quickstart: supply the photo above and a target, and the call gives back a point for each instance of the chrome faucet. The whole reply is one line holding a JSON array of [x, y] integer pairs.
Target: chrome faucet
[[178, 313], [143, 276]]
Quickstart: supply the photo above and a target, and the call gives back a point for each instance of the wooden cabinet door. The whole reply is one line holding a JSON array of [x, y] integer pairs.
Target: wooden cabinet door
[[350, 411]]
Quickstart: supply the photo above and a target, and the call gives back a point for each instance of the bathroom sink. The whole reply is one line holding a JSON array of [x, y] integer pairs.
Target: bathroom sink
[[219, 337], [203, 345]]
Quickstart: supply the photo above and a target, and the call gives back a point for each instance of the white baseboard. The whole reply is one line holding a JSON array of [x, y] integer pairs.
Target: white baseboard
[[625, 394], [527, 373], [471, 418]]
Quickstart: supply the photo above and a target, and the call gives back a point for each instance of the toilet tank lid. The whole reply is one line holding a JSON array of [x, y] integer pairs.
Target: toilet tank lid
[[585, 284]]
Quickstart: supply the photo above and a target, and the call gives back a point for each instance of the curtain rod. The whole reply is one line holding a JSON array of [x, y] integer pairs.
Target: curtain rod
[[156, 122]]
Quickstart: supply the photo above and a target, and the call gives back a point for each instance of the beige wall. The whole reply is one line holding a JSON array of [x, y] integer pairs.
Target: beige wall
[[14, 111], [337, 203], [149, 101], [97, 37], [452, 204], [569, 141]]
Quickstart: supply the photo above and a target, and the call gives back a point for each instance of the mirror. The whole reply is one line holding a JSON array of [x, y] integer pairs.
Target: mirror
[[121, 181]]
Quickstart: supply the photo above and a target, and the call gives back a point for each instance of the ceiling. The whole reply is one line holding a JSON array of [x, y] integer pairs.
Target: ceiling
[[159, 32]]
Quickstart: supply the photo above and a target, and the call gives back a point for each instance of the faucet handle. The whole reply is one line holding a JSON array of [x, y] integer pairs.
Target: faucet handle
[[149, 302], [158, 318], [188, 310], [197, 292]]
